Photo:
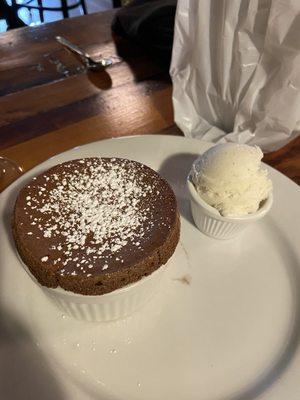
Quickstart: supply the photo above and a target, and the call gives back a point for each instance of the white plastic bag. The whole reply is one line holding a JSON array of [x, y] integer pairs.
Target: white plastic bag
[[236, 70]]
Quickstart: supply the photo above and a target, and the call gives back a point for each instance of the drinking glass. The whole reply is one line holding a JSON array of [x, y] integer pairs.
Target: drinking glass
[[9, 171]]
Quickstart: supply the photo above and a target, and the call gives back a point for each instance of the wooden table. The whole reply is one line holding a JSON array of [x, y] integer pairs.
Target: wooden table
[[49, 103]]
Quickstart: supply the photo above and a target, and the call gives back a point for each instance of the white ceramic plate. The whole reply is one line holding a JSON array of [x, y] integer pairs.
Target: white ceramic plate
[[224, 326]]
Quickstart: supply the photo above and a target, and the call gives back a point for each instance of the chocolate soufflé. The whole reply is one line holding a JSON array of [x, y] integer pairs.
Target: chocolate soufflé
[[94, 225]]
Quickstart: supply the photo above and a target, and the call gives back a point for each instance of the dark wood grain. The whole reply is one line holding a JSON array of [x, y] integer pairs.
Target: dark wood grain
[[50, 89], [49, 102], [286, 160], [81, 100]]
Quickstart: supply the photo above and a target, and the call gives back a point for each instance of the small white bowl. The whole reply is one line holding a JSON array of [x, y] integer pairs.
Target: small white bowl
[[209, 221], [106, 307]]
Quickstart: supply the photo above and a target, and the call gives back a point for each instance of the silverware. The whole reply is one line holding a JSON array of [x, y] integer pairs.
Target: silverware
[[88, 61]]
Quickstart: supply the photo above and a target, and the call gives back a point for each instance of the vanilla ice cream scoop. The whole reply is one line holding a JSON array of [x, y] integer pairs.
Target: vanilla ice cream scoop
[[230, 178]]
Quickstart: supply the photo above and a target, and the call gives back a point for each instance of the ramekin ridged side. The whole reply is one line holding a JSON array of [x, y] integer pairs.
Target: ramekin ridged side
[[211, 223], [107, 307]]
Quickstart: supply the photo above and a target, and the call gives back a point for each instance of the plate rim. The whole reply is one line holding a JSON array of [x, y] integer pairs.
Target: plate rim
[[131, 137], [170, 137]]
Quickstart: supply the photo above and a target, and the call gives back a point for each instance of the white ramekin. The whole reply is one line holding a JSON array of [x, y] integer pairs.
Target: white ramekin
[[107, 307], [209, 221]]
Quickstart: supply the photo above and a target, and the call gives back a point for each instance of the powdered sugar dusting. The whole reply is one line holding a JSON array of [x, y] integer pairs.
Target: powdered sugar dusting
[[94, 211]]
